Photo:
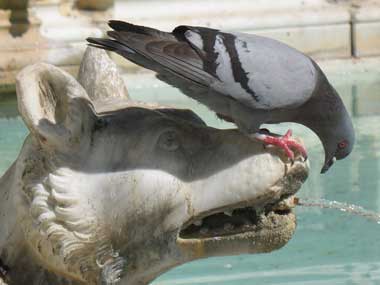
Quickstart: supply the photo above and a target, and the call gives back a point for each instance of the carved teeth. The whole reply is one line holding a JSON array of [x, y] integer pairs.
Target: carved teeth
[[228, 213], [228, 227], [204, 231], [198, 223]]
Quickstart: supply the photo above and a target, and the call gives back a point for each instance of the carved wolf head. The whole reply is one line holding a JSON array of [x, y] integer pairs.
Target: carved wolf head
[[125, 193]]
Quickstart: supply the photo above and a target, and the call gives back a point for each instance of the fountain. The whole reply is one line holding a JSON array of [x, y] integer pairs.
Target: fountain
[[340, 206]]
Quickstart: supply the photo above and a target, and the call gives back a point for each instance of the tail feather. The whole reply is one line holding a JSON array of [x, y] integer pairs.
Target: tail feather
[[108, 44], [121, 26], [131, 40], [162, 52], [123, 50]]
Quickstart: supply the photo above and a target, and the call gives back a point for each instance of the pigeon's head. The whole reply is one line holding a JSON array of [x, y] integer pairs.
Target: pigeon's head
[[337, 150], [337, 132]]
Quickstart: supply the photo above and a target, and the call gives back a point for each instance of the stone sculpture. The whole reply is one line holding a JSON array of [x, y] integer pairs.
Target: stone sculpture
[[109, 191]]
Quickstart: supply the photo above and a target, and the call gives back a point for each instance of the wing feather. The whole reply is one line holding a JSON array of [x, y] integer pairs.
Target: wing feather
[[258, 72]]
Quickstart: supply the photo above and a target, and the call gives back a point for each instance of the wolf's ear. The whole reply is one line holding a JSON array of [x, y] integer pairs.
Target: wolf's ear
[[54, 106]]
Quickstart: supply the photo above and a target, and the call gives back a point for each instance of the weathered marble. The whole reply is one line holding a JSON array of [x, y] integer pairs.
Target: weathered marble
[[109, 194], [100, 78]]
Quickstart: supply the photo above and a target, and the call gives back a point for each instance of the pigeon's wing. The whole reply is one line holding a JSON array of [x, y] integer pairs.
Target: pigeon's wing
[[258, 72], [174, 57], [159, 51], [264, 73]]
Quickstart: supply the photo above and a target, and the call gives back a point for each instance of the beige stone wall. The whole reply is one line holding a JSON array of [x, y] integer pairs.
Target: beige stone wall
[[94, 4], [14, 4], [57, 29], [44, 2], [50, 36], [366, 30], [99, 5]]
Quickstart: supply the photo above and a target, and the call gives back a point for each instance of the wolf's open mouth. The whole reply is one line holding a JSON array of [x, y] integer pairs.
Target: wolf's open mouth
[[230, 221]]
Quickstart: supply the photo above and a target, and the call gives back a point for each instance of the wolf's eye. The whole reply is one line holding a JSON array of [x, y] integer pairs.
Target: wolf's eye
[[169, 141], [342, 144]]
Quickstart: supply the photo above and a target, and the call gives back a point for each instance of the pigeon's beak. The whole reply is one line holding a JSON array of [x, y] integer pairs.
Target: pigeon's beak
[[328, 164]]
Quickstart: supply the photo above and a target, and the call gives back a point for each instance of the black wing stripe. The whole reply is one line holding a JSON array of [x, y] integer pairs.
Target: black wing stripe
[[209, 61], [207, 51], [240, 75]]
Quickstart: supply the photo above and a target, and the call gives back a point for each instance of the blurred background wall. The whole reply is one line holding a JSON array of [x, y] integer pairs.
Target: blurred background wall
[[54, 31]]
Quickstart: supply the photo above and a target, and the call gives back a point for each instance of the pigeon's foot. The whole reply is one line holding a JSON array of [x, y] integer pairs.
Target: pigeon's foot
[[284, 142]]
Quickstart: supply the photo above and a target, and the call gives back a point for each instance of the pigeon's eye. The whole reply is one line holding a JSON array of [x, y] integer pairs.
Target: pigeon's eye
[[342, 144]]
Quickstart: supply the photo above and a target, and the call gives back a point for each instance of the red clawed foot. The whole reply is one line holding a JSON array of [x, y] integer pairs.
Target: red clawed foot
[[285, 142]]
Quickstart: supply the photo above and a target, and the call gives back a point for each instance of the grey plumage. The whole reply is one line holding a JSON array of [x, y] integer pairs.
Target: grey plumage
[[248, 79]]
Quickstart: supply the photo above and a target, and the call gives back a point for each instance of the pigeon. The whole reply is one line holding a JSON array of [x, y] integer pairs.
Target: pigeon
[[246, 79]]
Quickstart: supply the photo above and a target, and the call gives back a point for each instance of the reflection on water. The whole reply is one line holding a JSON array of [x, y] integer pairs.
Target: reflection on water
[[346, 273], [12, 131], [329, 247]]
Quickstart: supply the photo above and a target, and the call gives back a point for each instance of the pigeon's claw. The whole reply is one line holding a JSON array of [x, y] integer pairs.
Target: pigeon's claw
[[284, 142], [297, 146]]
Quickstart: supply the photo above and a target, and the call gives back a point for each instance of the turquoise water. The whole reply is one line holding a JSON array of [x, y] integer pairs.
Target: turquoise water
[[329, 247]]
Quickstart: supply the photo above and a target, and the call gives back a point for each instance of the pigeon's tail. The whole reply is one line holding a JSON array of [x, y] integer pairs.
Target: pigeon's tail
[[127, 40], [106, 44], [170, 55]]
